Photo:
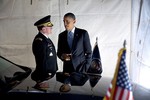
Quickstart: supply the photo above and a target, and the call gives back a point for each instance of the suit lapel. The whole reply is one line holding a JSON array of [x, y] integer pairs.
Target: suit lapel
[[76, 36], [48, 40]]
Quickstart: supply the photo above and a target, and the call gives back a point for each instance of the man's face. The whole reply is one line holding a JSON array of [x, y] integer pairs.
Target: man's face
[[47, 30], [69, 23]]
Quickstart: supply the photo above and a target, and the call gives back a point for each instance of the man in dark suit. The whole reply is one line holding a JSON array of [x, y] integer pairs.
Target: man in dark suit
[[45, 54], [74, 49]]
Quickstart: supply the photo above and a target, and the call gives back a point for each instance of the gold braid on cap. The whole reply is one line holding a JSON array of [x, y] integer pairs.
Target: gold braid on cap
[[49, 24]]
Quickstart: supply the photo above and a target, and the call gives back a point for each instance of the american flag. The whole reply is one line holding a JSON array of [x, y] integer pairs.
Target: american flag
[[120, 87]]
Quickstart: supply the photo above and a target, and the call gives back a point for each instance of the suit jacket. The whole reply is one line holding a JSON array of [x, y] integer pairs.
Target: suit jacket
[[81, 49], [45, 57]]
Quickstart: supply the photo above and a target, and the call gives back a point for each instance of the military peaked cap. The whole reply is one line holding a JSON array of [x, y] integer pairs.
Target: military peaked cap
[[45, 21]]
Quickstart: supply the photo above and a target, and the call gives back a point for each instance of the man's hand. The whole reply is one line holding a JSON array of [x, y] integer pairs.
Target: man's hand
[[66, 57]]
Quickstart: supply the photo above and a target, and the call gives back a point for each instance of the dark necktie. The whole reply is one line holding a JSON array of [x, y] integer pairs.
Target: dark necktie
[[48, 39], [70, 39]]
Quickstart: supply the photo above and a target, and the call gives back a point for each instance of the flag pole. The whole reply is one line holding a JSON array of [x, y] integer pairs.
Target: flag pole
[[96, 39], [116, 71], [124, 44], [91, 86], [113, 91]]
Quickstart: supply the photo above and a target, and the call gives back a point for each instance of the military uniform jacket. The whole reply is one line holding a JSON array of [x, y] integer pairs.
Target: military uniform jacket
[[45, 55]]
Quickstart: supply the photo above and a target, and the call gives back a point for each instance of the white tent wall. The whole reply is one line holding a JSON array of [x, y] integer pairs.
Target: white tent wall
[[140, 56], [109, 20]]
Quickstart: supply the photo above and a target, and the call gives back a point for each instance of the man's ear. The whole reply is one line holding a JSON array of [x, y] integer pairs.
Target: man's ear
[[74, 21], [43, 28]]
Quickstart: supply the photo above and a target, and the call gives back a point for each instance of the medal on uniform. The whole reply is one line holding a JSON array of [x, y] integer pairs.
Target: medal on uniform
[[50, 54]]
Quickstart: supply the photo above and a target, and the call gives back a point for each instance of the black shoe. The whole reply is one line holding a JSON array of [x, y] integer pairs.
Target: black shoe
[[42, 86], [65, 88]]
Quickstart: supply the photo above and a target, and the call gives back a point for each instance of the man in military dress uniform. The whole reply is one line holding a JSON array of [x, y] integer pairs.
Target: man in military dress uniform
[[45, 54]]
